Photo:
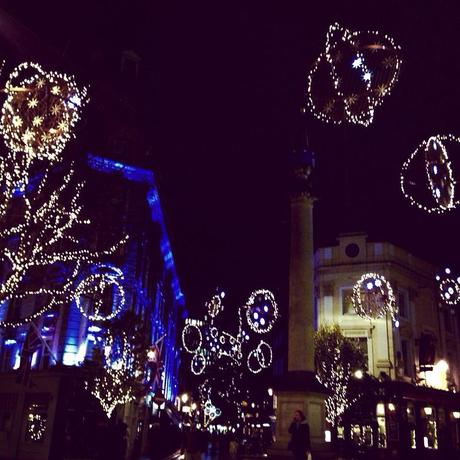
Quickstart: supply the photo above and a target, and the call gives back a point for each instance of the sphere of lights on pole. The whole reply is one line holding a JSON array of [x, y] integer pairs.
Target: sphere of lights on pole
[[433, 191], [40, 111], [261, 311], [353, 75], [449, 288], [373, 297], [94, 288]]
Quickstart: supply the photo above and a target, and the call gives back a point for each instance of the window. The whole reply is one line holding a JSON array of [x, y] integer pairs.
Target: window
[[403, 304], [447, 321], [347, 304], [352, 250], [361, 343], [407, 357]]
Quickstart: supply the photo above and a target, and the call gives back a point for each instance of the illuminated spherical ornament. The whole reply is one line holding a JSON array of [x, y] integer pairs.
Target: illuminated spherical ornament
[[198, 363], [215, 306], [353, 75], [449, 288], [192, 338], [261, 311], [449, 291], [99, 291], [260, 358], [40, 111], [373, 297], [427, 177]]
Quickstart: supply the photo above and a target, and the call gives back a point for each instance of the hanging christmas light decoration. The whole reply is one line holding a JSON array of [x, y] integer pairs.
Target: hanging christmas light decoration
[[430, 164], [115, 386], [214, 306], [260, 358], [219, 355], [91, 293], [40, 111], [211, 412], [373, 297], [449, 288], [208, 343], [353, 75], [261, 311]]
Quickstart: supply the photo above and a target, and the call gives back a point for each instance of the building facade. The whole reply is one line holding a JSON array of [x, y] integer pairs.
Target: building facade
[[45, 411], [409, 397]]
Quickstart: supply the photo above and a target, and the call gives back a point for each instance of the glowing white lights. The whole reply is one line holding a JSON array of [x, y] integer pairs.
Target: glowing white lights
[[40, 111], [211, 412], [43, 235], [438, 195], [261, 311], [260, 358], [373, 297], [94, 289], [114, 386], [449, 288], [352, 76]]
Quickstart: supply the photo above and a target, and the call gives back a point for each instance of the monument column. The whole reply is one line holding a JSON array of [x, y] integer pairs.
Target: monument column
[[298, 388]]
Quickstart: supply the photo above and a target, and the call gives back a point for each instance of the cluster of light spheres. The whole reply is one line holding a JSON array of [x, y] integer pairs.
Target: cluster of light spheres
[[40, 111], [260, 358], [207, 343], [91, 293], [211, 412], [353, 75], [373, 297], [449, 287], [427, 178]]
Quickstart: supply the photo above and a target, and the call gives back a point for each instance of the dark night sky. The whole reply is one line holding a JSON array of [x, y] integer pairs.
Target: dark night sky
[[228, 82]]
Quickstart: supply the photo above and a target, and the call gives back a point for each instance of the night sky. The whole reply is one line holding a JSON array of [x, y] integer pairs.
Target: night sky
[[222, 111]]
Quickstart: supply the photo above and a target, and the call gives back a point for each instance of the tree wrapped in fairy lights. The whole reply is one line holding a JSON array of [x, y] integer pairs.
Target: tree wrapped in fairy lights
[[43, 262], [336, 358]]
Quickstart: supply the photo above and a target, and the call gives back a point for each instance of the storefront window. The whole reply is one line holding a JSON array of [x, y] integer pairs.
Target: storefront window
[[381, 426], [36, 417], [430, 438]]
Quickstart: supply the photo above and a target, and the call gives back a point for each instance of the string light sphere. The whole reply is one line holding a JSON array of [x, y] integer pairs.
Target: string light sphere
[[430, 165], [40, 111], [215, 306], [91, 293], [261, 311], [260, 358], [353, 75], [373, 297], [192, 338], [449, 288], [198, 363]]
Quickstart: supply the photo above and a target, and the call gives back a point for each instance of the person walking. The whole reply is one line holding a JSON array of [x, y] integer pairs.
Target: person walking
[[300, 437]]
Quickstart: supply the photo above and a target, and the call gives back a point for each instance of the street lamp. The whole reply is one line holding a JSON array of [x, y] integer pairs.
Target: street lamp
[[184, 398]]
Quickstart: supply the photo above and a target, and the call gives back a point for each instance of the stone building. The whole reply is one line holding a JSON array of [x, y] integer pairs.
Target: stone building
[[414, 359]]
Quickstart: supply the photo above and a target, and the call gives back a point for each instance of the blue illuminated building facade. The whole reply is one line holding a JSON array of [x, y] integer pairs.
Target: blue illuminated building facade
[[122, 199]]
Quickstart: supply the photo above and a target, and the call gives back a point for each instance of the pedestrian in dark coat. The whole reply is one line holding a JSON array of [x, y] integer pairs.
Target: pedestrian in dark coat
[[300, 437]]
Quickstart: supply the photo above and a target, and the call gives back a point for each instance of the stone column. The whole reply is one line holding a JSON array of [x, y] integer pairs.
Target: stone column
[[299, 389], [301, 287]]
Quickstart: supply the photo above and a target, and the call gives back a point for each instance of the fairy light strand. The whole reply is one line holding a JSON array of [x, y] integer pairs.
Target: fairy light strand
[[373, 297], [439, 176], [356, 71]]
